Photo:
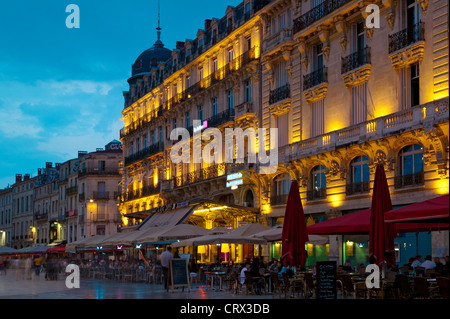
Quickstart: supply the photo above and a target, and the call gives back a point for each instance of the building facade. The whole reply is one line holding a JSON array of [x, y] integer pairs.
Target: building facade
[[344, 97], [46, 203], [5, 216], [23, 231]]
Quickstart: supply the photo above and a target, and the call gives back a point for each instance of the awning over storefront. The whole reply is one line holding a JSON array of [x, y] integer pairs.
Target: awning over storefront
[[275, 234], [430, 210], [359, 223], [36, 250], [240, 235], [174, 233], [167, 218], [5, 250]]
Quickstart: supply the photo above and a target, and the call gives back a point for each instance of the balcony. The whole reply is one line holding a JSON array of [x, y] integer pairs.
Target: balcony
[[140, 193], [355, 60], [201, 175], [416, 117], [406, 37], [319, 193], [97, 171], [221, 118], [416, 179], [315, 78], [317, 13], [244, 108], [41, 216], [280, 37], [278, 199], [100, 195], [357, 188], [151, 150], [279, 94], [72, 190]]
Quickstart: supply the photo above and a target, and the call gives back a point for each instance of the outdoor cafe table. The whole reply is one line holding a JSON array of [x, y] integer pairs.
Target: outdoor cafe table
[[216, 274]]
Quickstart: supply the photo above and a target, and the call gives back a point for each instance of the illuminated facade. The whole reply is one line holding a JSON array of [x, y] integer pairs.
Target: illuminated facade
[[215, 79], [343, 96]]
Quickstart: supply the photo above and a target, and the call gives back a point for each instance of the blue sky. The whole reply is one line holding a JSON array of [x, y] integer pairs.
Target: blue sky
[[61, 89]]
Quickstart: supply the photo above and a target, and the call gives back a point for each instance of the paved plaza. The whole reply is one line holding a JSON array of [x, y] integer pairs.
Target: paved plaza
[[15, 286]]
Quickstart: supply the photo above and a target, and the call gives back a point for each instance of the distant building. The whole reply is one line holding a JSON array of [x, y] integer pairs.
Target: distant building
[[6, 216], [23, 231]]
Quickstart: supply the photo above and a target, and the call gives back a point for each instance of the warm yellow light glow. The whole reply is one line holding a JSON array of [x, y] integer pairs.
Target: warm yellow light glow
[[209, 209], [125, 221], [201, 249], [440, 95], [442, 186], [155, 177], [336, 200]]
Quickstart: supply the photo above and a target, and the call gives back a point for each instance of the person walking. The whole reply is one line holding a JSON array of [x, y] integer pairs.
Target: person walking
[[165, 258], [37, 266]]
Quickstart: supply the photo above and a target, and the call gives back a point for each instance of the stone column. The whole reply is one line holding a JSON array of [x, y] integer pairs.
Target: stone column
[[335, 241]]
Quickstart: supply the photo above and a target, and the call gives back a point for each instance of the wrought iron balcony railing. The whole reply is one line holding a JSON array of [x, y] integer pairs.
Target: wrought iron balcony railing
[[279, 94], [201, 175], [406, 37], [315, 78], [317, 13], [320, 193], [100, 195], [220, 118], [72, 190], [151, 150], [357, 188], [96, 171], [355, 60], [416, 179], [278, 199]]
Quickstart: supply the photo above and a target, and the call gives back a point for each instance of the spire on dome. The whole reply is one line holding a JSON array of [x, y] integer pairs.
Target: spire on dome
[[158, 42]]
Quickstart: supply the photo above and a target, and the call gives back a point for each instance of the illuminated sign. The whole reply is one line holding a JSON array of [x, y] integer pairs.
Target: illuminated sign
[[200, 127], [233, 180]]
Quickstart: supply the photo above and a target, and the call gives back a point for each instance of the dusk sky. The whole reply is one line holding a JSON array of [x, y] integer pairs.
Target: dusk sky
[[61, 89]]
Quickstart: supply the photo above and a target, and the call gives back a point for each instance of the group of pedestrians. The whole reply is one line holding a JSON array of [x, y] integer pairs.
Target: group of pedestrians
[[31, 267]]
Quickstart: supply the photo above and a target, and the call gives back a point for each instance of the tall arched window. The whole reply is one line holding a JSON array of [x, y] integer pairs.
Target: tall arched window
[[281, 188], [318, 183], [359, 176], [410, 171], [248, 200]]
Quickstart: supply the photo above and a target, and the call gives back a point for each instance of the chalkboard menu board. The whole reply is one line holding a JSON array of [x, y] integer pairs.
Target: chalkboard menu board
[[179, 273], [326, 280]]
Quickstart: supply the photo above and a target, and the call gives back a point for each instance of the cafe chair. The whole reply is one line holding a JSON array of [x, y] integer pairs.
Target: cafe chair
[[249, 283], [348, 288], [310, 288], [291, 287], [442, 284], [405, 270], [422, 289], [430, 273], [278, 286], [420, 271]]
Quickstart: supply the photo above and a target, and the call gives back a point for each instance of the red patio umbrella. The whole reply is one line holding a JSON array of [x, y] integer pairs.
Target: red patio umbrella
[[358, 223], [430, 210], [381, 234], [294, 236]]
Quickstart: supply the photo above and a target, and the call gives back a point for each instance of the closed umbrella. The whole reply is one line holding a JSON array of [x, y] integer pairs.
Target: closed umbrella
[[381, 234], [294, 236]]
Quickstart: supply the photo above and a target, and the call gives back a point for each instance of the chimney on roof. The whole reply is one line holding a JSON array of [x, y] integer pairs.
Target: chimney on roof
[[48, 165], [39, 171], [81, 153], [207, 24], [26, 177], [18, 178]]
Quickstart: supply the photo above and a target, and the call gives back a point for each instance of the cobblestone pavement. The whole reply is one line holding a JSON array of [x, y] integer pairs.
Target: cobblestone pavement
[[15, 286]]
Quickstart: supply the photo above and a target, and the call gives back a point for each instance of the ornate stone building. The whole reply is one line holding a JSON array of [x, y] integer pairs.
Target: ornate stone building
[[344, 97]]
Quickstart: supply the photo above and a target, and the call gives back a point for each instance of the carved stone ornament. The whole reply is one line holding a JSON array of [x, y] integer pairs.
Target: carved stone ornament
[[357, 76], [316, 93], [423, 5], [408, 56]]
